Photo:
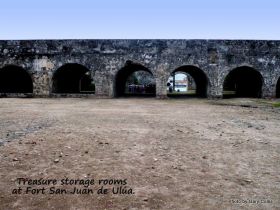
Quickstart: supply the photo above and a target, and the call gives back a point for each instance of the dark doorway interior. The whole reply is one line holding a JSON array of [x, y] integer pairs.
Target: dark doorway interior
[[73, 78], [243, 82], [14, 79], [134, 80], [278, 89]]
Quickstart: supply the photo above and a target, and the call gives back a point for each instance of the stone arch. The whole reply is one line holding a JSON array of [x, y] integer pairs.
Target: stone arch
[[278, 88], [73, 78], [243, 81], [15, 79], [198, 76], [123, 74]]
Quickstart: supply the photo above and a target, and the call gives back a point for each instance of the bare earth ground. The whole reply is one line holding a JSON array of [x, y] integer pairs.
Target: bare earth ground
[[175, 154]]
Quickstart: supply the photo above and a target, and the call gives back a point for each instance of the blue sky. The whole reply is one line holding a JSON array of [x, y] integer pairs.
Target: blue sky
[[140, 19]]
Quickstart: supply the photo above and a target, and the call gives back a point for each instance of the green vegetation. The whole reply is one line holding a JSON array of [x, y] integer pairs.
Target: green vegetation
[[276, 104], [189, 92]]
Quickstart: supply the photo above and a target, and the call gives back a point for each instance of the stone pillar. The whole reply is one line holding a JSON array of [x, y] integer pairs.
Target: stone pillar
[[269, 87], [161, 78], [41, 86], [42, 77], [161, 88], [215, 83], [102, 84], [111, 86], [215, 91]]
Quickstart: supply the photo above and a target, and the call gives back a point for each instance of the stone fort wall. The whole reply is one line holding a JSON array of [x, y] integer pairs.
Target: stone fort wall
[[105, 58]]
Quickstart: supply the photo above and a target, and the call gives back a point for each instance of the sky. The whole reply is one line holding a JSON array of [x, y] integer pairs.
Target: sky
[[140, 19]]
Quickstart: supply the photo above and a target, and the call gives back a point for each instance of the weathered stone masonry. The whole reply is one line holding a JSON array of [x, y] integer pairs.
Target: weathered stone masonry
[[105, 58]]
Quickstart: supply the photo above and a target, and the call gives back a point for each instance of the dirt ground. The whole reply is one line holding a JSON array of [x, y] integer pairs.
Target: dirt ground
[[174, 154]]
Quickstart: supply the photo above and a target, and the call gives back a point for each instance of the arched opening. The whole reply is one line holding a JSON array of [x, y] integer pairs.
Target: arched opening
[[187, 81], [278, 89], [14, 79], [243, 82], [134, 80], [73, 78]]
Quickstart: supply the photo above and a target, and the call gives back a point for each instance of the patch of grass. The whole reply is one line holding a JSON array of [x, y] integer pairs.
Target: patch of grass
[[189, 92], [276, 104]]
